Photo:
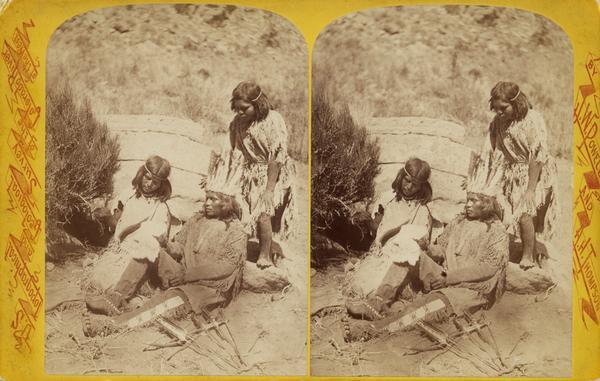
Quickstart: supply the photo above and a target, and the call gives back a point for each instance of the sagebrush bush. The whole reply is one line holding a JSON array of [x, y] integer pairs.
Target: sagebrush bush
[[81, 158], [344, 164]]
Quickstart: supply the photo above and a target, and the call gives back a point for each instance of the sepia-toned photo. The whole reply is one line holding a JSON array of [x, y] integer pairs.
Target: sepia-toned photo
[[176, 193], [441, 194]]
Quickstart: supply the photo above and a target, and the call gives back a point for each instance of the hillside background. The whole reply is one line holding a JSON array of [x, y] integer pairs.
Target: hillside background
[[183, 61], [442, 61]]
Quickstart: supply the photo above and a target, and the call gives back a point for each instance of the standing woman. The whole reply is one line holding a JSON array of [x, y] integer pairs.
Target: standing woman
[[518, 148], [258, 133]]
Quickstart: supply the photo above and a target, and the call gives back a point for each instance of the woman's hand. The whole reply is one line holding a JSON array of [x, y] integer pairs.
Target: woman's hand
[[266, 199], [423, 243], [528, 200], [175, 250], [130, 229], [162, 239]]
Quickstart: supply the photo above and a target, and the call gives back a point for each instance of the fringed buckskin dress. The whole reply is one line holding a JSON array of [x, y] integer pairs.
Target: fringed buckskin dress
[[519, 143], [256, 146]]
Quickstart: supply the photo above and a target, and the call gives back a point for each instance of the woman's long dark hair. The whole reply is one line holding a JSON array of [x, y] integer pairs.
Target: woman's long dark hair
[[420, 171], [509, 92], [159, 168], [253, 94]]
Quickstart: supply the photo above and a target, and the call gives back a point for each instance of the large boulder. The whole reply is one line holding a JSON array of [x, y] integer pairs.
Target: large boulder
[[180, 141], [416, 125], [532, 281], [269, 280]]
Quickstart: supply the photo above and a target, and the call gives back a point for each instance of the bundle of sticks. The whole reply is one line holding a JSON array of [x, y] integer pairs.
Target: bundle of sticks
[[211, 339], [472, 340]]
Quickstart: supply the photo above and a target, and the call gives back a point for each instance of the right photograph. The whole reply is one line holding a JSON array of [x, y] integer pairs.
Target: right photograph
[[441, 194]]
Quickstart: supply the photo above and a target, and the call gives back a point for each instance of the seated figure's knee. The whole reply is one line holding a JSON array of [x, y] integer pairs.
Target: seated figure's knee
[[167, 267]]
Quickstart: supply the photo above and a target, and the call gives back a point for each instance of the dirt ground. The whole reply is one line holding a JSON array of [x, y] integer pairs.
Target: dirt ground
[[269, 346], [532, 331], [270, 329]]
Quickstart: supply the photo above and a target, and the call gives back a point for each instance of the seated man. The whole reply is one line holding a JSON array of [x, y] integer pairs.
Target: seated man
[[203, 266], [464, 271]]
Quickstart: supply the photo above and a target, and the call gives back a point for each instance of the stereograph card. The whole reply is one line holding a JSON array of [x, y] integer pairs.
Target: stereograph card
[[299, 190]]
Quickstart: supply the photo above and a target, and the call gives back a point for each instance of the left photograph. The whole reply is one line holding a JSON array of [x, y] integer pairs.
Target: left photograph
[[176, 193]]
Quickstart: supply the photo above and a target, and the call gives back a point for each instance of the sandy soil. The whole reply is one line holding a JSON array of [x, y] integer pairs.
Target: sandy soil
[[269, 346], [532, 331]]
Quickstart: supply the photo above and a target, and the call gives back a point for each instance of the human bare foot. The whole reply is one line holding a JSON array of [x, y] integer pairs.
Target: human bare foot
[[526, 263], [263, 261]]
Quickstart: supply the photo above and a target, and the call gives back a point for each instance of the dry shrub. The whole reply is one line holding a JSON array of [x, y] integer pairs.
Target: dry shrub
[[343, 167], [81, 158]]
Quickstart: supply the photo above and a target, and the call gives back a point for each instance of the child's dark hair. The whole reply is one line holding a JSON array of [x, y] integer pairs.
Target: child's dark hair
[[509, 92], [159, 168], [420, 171], [253, 94]]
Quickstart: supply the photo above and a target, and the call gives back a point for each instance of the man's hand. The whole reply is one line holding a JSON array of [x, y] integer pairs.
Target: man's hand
[[540, 255], [438, 281], [528, 200], [177, 278]]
